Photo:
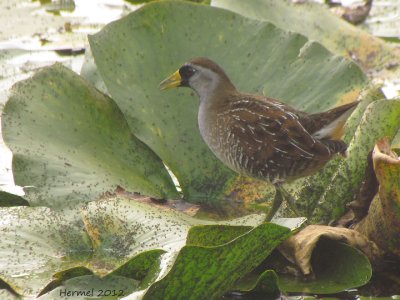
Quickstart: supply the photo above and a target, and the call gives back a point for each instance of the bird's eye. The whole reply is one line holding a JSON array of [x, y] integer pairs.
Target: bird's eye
[[186, 72]]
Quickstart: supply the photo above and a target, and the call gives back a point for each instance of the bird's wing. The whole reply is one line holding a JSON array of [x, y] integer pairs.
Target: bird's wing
[[272, 131], [272, 141]]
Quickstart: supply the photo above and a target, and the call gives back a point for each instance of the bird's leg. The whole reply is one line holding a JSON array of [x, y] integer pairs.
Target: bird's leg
[[291, 202], [276, 203], [280, 195]]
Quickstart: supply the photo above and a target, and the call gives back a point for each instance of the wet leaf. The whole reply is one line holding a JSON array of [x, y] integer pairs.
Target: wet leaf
[[139, 267], [121, 229], [71, 143], [152, 44], [212, 271], [382, 223]]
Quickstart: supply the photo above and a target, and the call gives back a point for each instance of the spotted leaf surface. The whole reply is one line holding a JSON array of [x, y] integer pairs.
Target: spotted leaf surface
[[41, 248], [35, 244], [71, 143], [211, 271]]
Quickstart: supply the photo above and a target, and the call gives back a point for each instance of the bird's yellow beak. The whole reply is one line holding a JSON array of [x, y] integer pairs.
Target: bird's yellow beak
[[171, 82]]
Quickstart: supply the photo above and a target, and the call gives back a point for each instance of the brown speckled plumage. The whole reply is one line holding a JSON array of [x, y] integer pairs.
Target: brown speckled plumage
[[259, 136], [268, 140]]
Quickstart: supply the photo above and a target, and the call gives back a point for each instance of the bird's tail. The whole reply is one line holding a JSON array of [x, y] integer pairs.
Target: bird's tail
[[332, 121], [336, 146]]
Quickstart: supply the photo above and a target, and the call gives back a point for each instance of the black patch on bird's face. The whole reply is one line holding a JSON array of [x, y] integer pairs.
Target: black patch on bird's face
[[186, 72]]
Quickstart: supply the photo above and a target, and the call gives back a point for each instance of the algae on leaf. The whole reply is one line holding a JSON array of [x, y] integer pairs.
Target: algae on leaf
[[212, 271], [124, 237]]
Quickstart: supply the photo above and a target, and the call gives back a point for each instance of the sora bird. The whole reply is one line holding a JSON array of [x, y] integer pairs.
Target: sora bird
[[258, 136]]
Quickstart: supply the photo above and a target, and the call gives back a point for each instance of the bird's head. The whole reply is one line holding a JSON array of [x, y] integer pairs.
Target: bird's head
[[201, 74]]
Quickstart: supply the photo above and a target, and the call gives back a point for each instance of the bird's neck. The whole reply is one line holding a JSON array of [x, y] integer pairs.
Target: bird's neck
[[212, 103], [213, 92]]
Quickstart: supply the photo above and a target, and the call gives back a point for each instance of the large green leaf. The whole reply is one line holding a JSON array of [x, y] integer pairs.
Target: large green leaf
[[319, 24], [40, 248], [212, 271], [153, 42], [71, 143], [122, 228], [35, 244]]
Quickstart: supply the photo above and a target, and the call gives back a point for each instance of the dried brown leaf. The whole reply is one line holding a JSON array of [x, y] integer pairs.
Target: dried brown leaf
[[300, 247]]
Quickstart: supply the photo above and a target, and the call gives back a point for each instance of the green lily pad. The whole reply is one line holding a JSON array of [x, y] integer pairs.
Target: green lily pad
[[71, 143], [152, 43], [210, 272], [122, 228], [214, 235], [267, 285], [337, 267], [36, 243], [41, 248], [319, 24], [139, 267]]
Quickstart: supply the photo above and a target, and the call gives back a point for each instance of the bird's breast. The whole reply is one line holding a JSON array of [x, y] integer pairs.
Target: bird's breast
[[218, 134]]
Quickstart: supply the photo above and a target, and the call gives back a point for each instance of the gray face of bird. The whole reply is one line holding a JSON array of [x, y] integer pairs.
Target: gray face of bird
[[202, 80]]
